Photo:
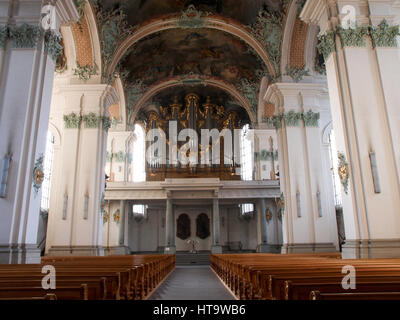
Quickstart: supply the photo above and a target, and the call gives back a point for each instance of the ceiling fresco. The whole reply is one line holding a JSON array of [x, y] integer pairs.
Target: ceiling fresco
[[189, 48], [183, 51], [244, 11]]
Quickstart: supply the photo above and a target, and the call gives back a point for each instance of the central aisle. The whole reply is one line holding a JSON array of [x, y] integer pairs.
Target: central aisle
[[192, 283]]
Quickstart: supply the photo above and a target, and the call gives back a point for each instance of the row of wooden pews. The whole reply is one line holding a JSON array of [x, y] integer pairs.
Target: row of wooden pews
[[306, 276], [131, 277]]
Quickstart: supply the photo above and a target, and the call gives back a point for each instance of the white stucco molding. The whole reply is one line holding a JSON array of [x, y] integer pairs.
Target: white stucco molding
[[278, 92], [66, 11]]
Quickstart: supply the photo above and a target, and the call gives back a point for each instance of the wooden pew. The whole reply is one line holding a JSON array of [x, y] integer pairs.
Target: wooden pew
[[35, 293], [112, 277], [271, 276], [316, 295]]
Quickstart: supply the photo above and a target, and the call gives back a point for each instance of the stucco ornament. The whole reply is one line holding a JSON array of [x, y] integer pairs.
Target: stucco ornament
[[292, 118], [192, 18], [297, 73], [53, 45], [268, 215], [268, 30], [25, 35], [353, 37], [72, 121], [343, 171], [3, 36], [117, 216], [85, 73], [91, 120], [311, 118], [383, 35], [326, 44], [105, 216], [38, 174]]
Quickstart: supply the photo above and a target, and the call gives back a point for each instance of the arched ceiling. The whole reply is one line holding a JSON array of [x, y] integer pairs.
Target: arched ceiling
[[229, 52], [184, 51], [244, 11], [217, 96]]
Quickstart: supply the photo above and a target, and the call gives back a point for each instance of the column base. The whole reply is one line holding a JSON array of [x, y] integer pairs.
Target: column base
[[170, 250], [19, 254], [269, 248], [216, 249], [364, 249], [76, 251], [112, 251], [308, 248]]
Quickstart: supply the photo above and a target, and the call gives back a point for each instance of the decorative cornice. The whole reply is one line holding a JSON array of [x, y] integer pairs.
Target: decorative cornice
[[297, 73], [383, 35], [72, 121], [25, 35], [353, 37]]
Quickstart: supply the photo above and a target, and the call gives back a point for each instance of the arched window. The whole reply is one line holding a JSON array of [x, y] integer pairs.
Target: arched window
[[334, 168], [48, 165], [246, 153], [138, 156]]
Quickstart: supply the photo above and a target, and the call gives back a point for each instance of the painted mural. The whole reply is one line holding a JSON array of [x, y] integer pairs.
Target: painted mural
[[244, 11], [182, 51]]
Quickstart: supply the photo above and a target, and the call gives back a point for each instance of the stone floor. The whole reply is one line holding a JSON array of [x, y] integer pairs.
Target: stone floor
[[192, 283]]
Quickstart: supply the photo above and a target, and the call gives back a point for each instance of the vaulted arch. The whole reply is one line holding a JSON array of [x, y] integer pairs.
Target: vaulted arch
[[210, 22], [179, 81]]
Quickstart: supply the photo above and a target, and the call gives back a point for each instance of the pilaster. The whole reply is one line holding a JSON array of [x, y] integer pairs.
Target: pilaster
[[361, 79]]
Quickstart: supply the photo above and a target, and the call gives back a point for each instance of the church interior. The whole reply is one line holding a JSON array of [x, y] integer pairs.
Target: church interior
[[250, 144]]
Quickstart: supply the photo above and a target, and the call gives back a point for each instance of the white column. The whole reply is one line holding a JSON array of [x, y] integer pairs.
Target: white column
[[262, 226], [363, 79], [309, 219], [216, 243], [75, 224], [26, 78], [169, 228]]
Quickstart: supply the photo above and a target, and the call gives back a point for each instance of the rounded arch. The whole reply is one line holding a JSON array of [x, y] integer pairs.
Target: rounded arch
[[71, 46], [179, 81], [210, 22], [56, 134], [326, 133], [287, 35]]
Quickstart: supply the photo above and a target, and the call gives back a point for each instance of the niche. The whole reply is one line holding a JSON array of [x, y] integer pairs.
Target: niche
[[183, 227], [202, 226]]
